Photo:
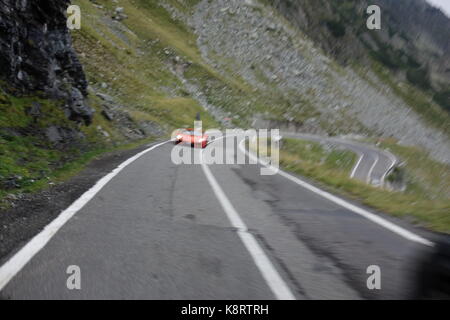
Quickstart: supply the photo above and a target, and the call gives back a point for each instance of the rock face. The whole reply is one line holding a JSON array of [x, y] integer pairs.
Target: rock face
[[36, 53]]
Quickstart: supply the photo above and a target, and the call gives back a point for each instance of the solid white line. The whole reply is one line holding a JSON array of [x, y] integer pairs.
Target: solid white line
[[362, 212], [21, 258], [273, 279], [356, 166], [369, 174]]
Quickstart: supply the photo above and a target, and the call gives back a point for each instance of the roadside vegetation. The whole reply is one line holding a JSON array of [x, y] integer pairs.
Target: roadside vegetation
[[28, 160], [134, 57], [425, 200], [134, 65]]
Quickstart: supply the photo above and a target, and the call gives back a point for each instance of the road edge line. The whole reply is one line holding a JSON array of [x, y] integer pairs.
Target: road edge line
[[369, 174], [343, 203], [20, 259], [352, 175]]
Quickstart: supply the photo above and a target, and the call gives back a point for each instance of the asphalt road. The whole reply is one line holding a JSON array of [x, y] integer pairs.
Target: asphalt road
[[159, 230], [372, 165]]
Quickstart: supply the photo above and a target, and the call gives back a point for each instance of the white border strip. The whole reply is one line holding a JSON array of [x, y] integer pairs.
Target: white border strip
[[369, 174], [273, 279], [366, 214], [352, 175], [394, 163], [21, 258]]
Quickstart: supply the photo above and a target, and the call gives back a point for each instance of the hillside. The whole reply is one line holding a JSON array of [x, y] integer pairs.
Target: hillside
[[413, 36], [137, 69], [318, 93]]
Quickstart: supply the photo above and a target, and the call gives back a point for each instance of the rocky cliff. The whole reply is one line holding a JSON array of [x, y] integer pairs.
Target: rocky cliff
[[37, 54]]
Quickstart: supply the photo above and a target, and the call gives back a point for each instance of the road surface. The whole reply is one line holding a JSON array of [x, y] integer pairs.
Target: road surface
[[372, 165], [158, 230]]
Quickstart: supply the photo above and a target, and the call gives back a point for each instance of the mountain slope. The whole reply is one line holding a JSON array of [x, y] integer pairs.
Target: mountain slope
[[252, 40], [412, 43]]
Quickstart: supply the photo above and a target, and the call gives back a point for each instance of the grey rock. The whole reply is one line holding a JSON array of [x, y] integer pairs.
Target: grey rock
[[105, 97], [107, 114], [78, 109], [34, 110], [60, 135], [151, 128], [53, 134], [42, 54]]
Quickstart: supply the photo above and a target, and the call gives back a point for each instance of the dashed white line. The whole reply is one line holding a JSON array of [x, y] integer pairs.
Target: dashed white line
[[352, 175], [21, 258], [369, 174]]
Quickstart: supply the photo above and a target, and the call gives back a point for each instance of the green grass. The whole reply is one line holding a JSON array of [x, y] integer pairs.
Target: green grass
[[332, 159], [418, 203], [27, 159], [135, 64], [31, 162], [63, 172], [429, 178]]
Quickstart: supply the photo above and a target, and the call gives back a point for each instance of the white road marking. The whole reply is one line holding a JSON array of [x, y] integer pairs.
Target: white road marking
[[273, 279], [352, 175], [369, 174], [352, 144], [394, 162], [389, 155], [21, 258], [362, 212]]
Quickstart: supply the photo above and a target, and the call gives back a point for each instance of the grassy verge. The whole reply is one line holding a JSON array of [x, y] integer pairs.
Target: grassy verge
[[29, 162], [424, 176], [330, 170], [64, 172]]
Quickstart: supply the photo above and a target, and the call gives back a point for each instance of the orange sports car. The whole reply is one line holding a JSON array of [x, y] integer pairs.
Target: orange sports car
[[192, 137]]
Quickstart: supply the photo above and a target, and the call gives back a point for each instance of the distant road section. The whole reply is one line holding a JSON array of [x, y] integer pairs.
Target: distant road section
[[372, 165]]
